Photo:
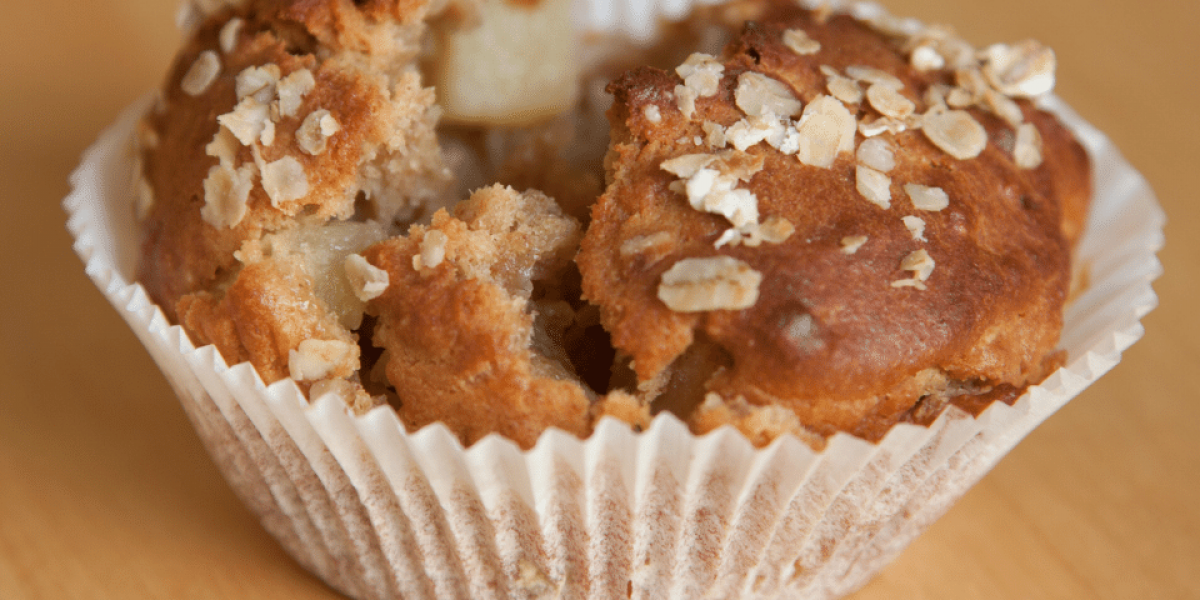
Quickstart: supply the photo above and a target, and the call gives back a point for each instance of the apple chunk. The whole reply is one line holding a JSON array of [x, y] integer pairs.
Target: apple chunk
[[510, 63]]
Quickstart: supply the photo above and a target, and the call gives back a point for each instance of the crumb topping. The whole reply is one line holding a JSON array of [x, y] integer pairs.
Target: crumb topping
[[652, 114], [714, 283]]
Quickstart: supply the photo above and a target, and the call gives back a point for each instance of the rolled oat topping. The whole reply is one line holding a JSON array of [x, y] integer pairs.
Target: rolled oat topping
[[927, 198], [258, 81], [367, 280], [1027, 151], [1022, 70], [876, 153], [227, 38], [797, 41], [715, 283], [826, 129], [292, 89], [874, 186], [314, 133], [714, 134], [224, 147], [871, 75], [701, 75], [685, 99], [201, 74], [915, 226], [843, 88], [956, 132], [851, 243], [433, 250], [226, 191], [752, 130], [284, 180], [701, 72], [921, 265], [247, 120], [889, 102], [642, 243], [761, 96], [926, 58]]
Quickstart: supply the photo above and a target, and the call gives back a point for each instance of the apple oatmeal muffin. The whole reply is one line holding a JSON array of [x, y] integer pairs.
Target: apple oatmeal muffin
[[792, 221]]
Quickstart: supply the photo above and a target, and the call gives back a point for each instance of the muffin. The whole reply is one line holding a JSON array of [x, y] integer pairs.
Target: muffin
[[742, 326], [853, 227], [831, 227]]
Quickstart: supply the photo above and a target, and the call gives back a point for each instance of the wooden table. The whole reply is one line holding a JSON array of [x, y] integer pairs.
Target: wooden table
[[105, 491]]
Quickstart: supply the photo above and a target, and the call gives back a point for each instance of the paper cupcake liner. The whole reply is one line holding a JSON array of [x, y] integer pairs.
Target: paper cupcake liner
[[378, 512]]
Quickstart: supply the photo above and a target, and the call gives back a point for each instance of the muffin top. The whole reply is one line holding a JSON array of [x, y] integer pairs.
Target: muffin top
[[828, 225], [835, 221]]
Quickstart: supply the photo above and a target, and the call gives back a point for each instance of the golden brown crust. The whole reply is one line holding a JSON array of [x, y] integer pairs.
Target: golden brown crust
[[867, 351]]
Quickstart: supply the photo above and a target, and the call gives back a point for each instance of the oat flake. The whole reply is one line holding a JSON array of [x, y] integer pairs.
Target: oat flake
[[715, 283], [201, 74]]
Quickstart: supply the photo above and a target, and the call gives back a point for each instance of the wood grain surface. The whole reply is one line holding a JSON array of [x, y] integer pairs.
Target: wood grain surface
[[106, 492]]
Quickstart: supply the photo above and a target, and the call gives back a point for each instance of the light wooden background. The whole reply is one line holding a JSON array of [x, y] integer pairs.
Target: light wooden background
[[106, 493]]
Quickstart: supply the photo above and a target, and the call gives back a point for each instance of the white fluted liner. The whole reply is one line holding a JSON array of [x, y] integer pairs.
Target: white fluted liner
[[382, 513]]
